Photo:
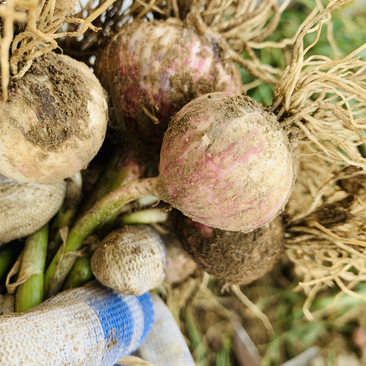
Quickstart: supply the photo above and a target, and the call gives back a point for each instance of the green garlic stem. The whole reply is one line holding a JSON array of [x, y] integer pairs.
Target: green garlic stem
[[149, 216], [95, 194], [30, 293], [66, 214], [107, 226], [101, 211], [80, 273], [119, 171], [125, 171]]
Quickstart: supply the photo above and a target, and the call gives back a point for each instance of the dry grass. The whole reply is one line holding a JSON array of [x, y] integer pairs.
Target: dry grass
[[205, 321], [325, 234]]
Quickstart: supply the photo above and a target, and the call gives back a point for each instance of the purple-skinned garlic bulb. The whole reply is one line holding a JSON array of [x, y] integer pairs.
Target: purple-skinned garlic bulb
[[225, 162], [152, 69]]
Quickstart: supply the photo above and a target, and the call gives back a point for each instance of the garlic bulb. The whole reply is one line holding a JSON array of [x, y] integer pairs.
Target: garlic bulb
[[54, 121]]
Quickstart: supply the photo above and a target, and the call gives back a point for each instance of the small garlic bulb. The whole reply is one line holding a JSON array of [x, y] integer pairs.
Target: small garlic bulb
[[130, 260], [26, 207]]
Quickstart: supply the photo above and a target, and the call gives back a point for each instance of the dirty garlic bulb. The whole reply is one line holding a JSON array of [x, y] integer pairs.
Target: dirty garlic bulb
[[26, 207], [153, 69], [233, 256], [54, 121], [130, 260]]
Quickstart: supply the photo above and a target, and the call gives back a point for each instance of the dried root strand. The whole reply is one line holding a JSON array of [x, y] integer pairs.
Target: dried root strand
[[326, 238], [9, 14], [29, 29], [325, 99]]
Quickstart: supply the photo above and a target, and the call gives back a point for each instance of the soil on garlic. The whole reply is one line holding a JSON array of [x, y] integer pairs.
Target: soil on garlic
[[235, 257], [52, 131]]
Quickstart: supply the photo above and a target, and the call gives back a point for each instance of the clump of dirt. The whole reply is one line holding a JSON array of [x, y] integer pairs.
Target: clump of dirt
[[51, 89], [234, 257]]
